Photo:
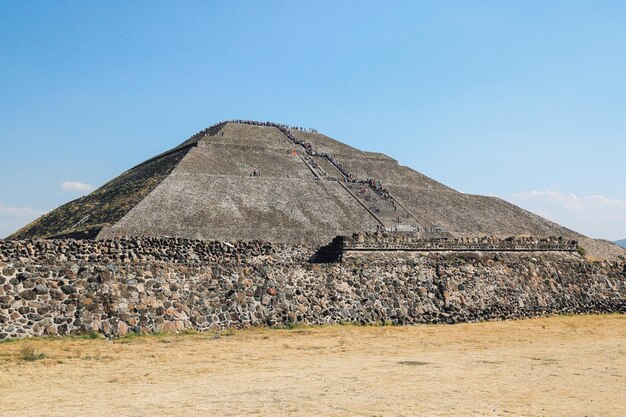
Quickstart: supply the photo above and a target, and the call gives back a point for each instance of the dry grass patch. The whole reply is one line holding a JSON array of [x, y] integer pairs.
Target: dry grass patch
[[28, 354]]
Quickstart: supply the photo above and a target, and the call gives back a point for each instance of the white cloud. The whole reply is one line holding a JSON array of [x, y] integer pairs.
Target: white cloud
[[12, 218], [594, 215], [19, 212], [76, 186]]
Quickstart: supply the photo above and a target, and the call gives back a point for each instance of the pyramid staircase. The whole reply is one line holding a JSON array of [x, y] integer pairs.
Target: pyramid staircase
[[369, 193]]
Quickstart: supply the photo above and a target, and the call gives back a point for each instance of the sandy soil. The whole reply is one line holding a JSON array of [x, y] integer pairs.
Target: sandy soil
[[559, 366]]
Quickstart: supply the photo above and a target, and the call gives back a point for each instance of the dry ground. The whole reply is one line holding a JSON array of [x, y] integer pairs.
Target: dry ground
[[567, 366]]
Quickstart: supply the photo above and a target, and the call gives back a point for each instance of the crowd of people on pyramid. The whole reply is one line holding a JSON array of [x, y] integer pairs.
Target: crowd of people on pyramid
[[376, 185]]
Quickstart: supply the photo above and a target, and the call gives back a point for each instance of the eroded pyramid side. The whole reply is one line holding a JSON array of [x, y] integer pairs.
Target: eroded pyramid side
[[85, 217]]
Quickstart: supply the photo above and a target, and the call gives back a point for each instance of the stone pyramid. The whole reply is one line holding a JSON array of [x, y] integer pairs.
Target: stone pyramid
[[243, 180]]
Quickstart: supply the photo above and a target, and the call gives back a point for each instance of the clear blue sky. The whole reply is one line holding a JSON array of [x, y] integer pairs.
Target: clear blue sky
[[525, 100]]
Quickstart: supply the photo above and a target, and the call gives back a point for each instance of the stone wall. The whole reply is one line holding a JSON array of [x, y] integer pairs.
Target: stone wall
[[138, 250], [418, 241], [68, 287]]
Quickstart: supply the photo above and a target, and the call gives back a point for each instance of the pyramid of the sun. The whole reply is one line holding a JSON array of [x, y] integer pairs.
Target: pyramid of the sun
[[249, 180]]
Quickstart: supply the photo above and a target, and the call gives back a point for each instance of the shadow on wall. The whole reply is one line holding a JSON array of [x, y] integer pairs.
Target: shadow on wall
[[329, 253]]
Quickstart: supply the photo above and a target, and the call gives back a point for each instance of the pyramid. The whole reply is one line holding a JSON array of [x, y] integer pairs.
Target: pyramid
[[243, 180]]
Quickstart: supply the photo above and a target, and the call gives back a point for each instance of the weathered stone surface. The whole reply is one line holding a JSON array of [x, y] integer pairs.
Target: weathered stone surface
[[176, 284], [68, 289], [28, 295], [122, 329], [41, 289], [111, 253]]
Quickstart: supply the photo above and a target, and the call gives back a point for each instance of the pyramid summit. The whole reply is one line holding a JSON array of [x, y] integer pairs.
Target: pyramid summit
[[247, 180]]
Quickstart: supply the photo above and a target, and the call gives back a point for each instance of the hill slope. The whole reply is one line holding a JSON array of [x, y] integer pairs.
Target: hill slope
[[622, 243]]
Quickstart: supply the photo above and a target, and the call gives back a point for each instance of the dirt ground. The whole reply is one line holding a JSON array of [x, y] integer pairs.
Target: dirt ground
[[558, 366]]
